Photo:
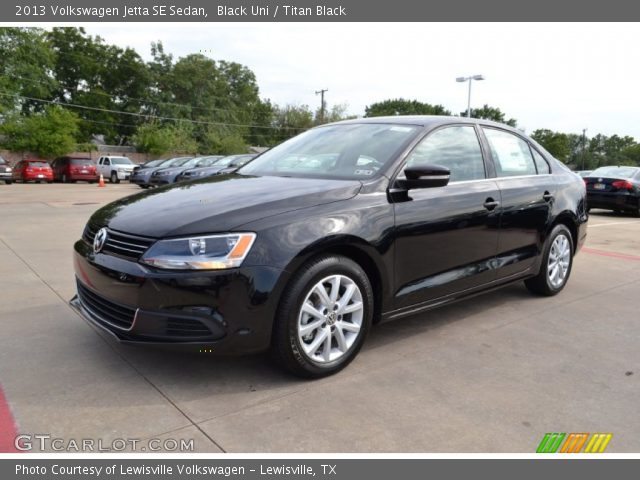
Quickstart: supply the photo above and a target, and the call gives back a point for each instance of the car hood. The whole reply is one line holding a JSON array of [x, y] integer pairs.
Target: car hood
[[217, 204]]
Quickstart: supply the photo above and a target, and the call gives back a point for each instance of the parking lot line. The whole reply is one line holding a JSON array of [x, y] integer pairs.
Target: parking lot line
[[8, 430], [613, 223], [610, 254]]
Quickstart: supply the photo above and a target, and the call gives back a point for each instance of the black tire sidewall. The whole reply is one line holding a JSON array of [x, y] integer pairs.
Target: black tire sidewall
[[299, 287]]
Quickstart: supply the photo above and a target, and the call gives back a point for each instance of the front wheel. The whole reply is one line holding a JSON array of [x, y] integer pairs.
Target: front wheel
[[557, 260], [8, 182], [323, 317], [114, 178]]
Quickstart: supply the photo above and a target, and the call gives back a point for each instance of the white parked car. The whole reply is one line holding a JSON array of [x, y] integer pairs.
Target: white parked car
[[115, 168]]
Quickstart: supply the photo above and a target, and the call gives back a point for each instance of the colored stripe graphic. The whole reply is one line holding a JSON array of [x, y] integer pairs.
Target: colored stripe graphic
[[598, 443], [8, 431], [574, 443], [550, 442]]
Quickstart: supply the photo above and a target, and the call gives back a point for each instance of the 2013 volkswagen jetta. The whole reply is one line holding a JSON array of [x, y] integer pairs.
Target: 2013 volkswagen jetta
[[341, 227]]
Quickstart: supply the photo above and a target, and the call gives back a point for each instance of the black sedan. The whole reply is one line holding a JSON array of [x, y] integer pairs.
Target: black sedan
[[141, 175], [614, 188], [373, 220], [219, 167]]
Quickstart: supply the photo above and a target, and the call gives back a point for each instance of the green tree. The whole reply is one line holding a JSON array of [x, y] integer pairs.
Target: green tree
[[290, 120], [48, 134], [400, 106], [25, 70], [490, 113], [556, 143], [153, 138], [103, 77], [158, 139], [215, 143]]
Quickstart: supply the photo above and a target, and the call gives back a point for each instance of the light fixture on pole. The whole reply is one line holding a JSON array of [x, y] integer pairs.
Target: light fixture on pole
[[469, 79]]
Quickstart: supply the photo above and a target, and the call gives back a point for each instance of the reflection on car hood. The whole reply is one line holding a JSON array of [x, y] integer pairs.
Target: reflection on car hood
[[218, 204]]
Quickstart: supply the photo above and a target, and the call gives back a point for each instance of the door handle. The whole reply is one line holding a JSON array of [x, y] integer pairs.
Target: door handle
[[547, 197], [490, 204]]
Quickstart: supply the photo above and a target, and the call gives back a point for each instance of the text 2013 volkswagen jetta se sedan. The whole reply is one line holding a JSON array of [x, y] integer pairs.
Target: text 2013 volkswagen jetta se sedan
[[343, 226]]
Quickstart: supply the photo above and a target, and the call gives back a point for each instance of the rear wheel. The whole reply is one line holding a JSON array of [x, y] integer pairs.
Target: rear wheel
[[557, 260], [323, 317]]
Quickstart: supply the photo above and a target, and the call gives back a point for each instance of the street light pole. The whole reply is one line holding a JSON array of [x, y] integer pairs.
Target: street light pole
[[469, 79]]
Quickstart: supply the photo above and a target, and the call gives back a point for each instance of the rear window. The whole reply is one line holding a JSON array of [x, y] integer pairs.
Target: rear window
[[618, 172], [81, 161], [37, 164]]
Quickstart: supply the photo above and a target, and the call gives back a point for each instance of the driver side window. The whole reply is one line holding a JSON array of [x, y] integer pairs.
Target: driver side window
[[456, 148]]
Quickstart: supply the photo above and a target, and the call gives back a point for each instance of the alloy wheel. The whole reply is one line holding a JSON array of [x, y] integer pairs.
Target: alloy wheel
[[559, 261], [330, 319]]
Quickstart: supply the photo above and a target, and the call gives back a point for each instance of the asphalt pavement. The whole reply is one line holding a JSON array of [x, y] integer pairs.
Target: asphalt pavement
[[490, 374]]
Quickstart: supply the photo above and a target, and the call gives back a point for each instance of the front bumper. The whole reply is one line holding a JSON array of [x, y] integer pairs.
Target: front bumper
[[123, 174], [228, 312], [161, 180], [5, 176], [140, 179]]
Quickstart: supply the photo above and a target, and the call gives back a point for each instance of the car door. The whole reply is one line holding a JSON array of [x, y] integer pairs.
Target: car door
[[527, 189], [446, 238]]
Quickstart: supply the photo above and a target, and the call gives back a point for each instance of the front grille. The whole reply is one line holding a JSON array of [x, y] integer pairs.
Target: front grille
[[184, 327], [105, 311], [120, 244]]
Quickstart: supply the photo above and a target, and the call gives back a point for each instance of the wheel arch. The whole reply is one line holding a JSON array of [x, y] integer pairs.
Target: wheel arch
[[356, 249], [569, 220]]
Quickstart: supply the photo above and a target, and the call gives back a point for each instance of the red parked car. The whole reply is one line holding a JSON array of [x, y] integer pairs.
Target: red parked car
[[72, 169], [32, 170]]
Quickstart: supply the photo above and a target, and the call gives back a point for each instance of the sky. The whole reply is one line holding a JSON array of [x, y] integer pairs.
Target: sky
[[561, 76]]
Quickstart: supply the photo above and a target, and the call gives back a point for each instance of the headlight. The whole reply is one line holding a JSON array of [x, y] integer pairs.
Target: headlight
[[8, 169], [214, 252]]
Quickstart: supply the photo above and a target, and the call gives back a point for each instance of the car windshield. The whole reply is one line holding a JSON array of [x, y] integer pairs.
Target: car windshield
[[180, 161], [208, 161], [190, 163], [345, 151], [617, 172], [154, 163], [85, 162], [2, 161], [121, 161]]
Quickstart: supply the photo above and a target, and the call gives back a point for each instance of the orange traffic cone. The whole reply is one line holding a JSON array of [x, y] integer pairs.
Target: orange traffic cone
[[101, 182]]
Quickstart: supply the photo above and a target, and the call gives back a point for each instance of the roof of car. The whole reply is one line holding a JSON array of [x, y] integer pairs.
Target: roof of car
[[423, 120]]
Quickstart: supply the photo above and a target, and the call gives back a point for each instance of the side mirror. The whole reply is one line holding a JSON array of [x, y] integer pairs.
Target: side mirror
[[426, 176]]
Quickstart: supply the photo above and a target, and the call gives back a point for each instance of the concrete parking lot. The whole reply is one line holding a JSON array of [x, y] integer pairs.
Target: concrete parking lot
[[491, 374]]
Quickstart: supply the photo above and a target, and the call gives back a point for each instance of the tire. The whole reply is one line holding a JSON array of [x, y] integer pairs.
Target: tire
[[114, 178], [144, 187], [8, 182], [558, 254], [308, 355]]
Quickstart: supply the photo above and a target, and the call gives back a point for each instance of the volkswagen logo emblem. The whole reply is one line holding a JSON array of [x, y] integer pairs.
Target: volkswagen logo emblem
[[99, 240]]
